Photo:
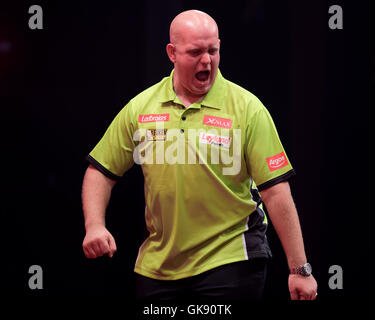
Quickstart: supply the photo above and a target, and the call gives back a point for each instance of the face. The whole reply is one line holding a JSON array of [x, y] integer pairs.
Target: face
[[196, 60]]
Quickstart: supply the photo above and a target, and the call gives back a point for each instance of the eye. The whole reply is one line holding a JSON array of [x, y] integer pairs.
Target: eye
[[194, 52], [213, 51]]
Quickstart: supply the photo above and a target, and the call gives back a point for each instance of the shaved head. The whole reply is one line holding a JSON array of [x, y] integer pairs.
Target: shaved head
[[190, 21], [194, 50]]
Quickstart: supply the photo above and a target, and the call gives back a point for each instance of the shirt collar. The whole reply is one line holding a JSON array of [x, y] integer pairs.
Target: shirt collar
[[213, 99]]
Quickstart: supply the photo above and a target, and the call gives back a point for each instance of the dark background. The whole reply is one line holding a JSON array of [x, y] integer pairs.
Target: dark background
[[60, 88]]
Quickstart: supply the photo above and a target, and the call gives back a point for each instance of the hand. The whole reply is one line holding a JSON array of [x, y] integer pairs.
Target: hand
[[98, 241], [302, 288]]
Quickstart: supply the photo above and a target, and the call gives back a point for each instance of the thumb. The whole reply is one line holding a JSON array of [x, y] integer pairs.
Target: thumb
[[112, 246]]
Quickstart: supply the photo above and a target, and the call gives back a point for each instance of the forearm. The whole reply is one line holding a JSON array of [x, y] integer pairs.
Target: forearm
[[284, 217], [96, 192]]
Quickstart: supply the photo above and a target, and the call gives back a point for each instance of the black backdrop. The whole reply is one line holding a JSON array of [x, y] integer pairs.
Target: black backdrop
[[61, 87]]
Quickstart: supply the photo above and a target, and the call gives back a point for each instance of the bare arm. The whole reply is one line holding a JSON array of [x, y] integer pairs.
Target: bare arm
[[284, 217], [96, 193]]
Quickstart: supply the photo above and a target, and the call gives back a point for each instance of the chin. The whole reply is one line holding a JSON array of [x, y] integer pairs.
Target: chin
[[202, 88], [200, 91]]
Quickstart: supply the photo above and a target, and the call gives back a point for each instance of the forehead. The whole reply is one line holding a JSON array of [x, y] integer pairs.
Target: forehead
[[199, 39], [191, 32]]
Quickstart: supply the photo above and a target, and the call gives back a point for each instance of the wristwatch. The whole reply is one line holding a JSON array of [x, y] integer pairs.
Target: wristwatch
[[303, 270]]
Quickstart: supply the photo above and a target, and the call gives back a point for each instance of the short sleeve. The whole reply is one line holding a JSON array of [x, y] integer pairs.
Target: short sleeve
[[113, 155], [266, 159]]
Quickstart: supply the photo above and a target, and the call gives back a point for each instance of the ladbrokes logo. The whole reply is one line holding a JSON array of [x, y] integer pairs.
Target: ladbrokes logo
[[153, 117], [217, 122], [276, 162]]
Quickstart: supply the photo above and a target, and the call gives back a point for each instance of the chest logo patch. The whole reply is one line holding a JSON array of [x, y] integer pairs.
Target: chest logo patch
[[209, 138], [156, 134], [153, 117], [217, 122], [276, 162]]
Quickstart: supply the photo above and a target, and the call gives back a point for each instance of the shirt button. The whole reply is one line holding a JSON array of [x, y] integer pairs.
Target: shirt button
[[182, 130], [183, 118]]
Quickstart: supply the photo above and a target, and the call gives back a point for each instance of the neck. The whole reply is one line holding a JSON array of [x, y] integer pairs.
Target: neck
[[187, 98]]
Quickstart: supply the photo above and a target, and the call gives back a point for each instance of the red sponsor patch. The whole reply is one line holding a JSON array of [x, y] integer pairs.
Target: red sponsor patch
[[217, 122], [209, 138], [276, 162], [153, 117]]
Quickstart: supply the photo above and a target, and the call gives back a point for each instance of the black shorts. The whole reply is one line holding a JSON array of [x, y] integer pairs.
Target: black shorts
[[238, 281]]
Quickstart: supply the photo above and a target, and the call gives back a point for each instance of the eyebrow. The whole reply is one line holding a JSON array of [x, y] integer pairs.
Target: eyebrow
[[196, 49]]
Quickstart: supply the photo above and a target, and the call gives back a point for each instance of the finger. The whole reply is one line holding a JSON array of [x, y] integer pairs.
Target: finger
[[89, 252], [312, 295], [104, 247], [112, 246], [302, 297], [294, 295], [96, 248], [86, 250]]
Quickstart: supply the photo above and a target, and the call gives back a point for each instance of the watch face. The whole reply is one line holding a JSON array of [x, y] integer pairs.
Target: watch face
[[307, 268]]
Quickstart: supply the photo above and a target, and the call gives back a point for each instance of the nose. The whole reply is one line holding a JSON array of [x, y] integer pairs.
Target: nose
[[206, 59]]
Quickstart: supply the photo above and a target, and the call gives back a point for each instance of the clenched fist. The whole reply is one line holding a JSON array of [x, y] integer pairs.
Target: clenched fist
[[302, 288], [98, 242]]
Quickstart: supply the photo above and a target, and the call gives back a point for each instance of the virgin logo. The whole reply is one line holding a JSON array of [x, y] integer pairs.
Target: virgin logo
[[217, 122], [276, 162], [153, 117]]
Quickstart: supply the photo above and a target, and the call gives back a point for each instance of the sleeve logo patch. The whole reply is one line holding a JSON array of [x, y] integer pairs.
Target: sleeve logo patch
[[276, 162], [153, 117], [217, 122]]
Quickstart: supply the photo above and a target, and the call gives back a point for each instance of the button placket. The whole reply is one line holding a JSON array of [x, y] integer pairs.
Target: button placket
[[183, 119]]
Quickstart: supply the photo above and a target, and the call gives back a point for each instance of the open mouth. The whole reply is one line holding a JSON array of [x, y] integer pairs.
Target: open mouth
[[202, 76]]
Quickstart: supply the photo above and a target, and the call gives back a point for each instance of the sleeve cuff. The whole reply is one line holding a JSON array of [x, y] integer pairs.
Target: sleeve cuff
[[102, 169], [276, 180]]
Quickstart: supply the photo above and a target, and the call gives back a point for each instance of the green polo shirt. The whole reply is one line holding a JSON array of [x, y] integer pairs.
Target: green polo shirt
[[202, 166]]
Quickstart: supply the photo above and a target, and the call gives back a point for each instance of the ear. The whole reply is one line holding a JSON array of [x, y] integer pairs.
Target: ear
[[171, 52]]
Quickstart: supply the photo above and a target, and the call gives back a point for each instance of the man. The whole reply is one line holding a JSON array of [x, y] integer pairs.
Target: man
[[203, 211]]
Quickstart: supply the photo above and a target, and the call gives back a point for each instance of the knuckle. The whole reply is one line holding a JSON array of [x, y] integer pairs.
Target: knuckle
[[100, 240]]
